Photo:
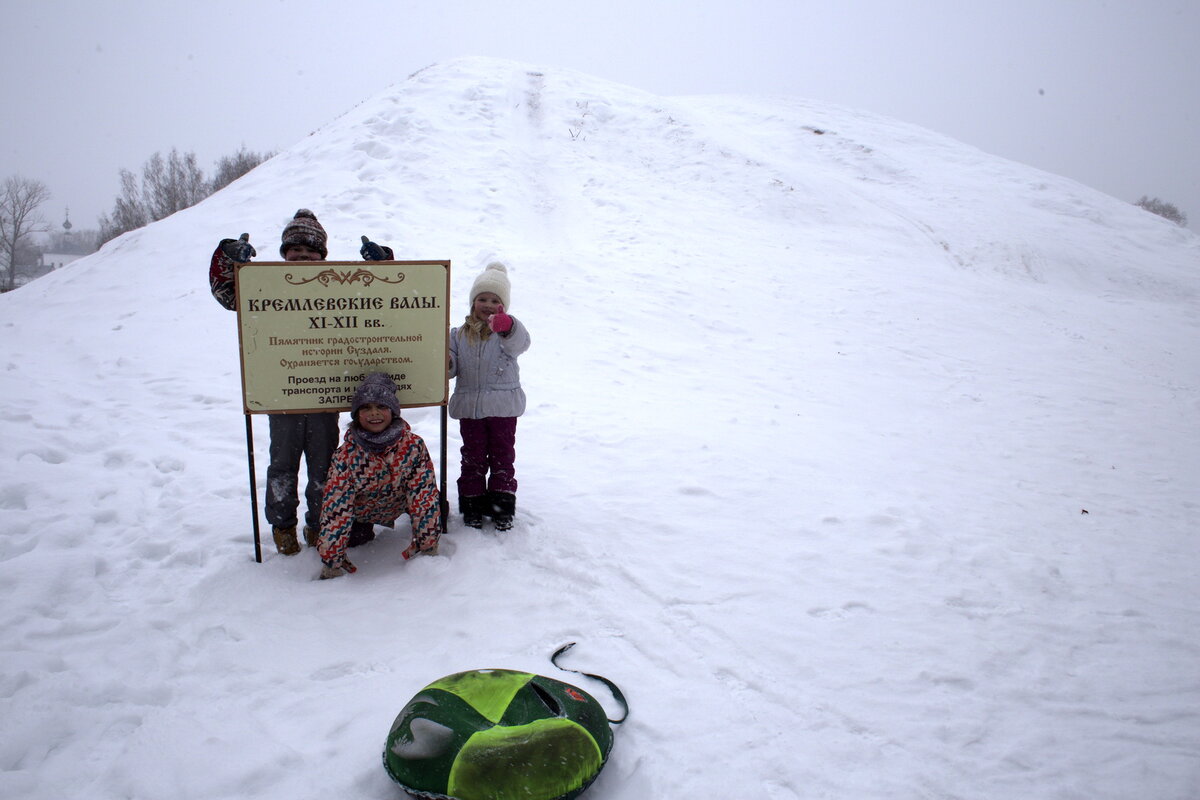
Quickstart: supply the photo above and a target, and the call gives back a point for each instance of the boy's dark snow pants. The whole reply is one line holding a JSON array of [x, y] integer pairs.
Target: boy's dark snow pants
[[314, 436]]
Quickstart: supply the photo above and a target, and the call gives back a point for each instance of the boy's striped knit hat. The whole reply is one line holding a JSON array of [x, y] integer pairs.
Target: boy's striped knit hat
[[304, 229]]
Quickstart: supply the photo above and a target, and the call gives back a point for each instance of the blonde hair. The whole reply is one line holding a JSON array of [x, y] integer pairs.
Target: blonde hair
[[475, 329]]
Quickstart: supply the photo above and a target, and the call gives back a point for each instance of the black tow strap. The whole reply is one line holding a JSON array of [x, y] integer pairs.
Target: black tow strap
[[612, 687]]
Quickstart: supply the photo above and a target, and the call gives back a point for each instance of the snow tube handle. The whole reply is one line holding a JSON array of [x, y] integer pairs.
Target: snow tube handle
[[612, 687]]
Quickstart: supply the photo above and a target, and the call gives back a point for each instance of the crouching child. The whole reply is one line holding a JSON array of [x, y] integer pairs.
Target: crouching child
[[381, 470]]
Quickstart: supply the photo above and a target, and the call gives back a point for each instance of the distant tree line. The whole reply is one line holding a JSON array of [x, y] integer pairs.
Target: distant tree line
[[75, 241], [168, 185], [1163, 209]]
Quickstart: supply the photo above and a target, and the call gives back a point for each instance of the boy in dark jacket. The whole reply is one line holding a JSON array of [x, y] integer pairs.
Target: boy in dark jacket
[[313, 436]]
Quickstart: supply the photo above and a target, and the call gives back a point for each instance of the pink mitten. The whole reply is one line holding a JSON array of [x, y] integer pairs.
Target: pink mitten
[[500, 322]]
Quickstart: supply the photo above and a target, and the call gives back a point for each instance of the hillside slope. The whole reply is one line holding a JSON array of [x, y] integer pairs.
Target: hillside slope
[[863, 461]]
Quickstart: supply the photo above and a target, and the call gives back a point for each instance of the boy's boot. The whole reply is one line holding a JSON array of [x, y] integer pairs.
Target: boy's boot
[[504, 508], [311, 535], [361, 533], [285, 540], [472, 510]]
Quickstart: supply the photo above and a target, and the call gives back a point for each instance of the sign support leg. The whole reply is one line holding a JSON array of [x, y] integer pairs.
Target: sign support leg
[[253, 489], [445, 503]]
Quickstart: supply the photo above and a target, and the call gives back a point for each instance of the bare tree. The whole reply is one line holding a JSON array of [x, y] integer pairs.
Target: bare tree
[[128, 211], [230, 168], [1163, 209], [20, 200], [168, 185], [171, 184]]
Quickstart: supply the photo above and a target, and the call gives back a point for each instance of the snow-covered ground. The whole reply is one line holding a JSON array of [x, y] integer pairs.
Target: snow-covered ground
[[866, 463]]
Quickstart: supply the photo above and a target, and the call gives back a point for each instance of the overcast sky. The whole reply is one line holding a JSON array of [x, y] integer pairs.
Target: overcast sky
[[1106, 93]]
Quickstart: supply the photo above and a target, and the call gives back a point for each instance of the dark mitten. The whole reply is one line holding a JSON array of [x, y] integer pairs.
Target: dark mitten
[[239, 250], [374, 252]]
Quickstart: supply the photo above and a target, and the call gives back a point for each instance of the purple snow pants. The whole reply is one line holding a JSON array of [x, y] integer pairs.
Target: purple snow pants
[[489, 444]]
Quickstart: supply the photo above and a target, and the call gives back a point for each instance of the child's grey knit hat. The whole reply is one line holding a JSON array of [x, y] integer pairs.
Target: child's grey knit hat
[[376, 388]]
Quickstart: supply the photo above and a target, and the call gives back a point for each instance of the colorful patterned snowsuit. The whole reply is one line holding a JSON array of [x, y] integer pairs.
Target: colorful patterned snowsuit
[[378, 488]]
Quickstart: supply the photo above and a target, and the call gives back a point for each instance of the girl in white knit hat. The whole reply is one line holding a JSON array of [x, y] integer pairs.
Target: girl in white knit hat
[[487, 400]]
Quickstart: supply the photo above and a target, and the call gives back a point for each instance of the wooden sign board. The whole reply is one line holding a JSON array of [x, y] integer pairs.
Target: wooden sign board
[[310, 331]]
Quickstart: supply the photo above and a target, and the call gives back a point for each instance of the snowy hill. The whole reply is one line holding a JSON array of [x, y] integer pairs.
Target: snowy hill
[[865, 462]]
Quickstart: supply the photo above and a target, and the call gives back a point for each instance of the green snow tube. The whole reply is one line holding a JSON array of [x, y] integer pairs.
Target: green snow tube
[[497, 734]]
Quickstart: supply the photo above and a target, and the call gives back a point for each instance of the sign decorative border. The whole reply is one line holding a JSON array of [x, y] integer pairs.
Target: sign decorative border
[[328, 276]]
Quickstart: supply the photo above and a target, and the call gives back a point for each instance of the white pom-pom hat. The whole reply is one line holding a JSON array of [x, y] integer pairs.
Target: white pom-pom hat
[[493, 279]]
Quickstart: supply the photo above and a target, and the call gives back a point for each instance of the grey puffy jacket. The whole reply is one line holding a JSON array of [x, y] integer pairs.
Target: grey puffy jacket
[[488, 381]]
